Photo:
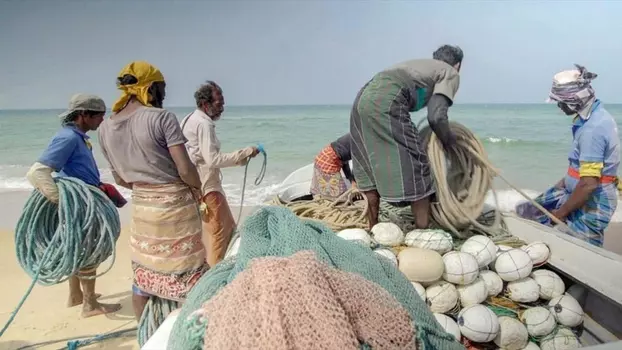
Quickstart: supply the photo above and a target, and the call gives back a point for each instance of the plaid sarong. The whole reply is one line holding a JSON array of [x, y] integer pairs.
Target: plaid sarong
[[588, 223], [328, 161]]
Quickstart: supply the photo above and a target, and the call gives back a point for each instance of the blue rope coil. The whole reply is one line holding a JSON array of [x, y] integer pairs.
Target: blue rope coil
[[55, 241]]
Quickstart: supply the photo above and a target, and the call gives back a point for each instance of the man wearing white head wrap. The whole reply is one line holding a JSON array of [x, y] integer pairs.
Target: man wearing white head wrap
[[586, 197]]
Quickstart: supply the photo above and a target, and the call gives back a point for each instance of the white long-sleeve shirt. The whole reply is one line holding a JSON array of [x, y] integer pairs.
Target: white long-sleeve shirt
[[204, 150]]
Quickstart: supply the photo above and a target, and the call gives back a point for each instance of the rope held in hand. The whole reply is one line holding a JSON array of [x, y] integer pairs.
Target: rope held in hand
[[56, 241]]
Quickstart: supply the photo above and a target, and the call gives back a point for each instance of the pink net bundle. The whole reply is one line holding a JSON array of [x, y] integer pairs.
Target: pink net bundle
[[299, 302]]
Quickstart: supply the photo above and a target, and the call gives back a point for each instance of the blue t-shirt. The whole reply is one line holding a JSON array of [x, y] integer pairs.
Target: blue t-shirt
[[70, 155]]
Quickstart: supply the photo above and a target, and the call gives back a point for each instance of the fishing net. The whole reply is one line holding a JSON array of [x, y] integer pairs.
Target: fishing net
[[340, 309], [274, 231]]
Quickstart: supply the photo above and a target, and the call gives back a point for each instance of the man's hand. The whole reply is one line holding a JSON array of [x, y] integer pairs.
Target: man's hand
[[559, 215], [255, 152], [353, 183]]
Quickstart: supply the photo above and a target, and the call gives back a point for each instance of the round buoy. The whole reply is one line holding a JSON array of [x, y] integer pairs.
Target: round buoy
[[460, 268], [478, 323]]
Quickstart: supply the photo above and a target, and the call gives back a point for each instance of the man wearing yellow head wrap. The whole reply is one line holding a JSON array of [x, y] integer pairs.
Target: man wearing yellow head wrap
[[146, 149], [137, 80]]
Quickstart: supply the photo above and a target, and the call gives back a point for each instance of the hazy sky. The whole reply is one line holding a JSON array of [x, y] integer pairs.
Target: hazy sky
[[300, 52]]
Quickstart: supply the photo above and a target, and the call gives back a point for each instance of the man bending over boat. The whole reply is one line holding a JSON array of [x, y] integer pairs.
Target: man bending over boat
[[327, 181], [199, 128], [70, 154], [145, 147], [388, 157], [586, 198]]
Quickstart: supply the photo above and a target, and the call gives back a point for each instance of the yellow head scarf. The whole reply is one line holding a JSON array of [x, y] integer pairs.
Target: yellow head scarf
[[146, 75]]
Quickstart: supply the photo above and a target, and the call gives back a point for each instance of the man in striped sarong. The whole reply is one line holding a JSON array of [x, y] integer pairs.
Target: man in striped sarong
[[586, 198], [389, 159]]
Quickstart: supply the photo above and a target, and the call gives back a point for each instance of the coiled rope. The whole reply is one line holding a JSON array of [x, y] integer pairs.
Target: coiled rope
[[154, 314], [463, 178], [56, 241]]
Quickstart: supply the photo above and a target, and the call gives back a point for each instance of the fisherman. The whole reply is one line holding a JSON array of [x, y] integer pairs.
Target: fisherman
[[388, 156], [586, 198], [145, 147], [70, 155], [327, 181], [199, 128]]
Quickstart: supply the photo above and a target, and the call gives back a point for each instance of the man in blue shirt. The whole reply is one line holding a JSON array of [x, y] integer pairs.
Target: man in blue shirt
[[586, 198], [70, 154]]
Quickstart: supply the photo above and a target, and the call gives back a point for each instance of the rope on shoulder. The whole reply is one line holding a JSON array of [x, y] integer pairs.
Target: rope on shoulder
[[56, 241]]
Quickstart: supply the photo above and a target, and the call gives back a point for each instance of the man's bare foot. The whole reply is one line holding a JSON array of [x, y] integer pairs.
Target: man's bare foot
[[99, 309], [75, 300]]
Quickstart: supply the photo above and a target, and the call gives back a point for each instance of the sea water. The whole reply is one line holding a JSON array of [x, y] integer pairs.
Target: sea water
[[528, 143]]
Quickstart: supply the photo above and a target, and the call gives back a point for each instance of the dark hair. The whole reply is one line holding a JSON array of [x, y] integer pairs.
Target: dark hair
[[154, 90], [127, 79], [71, 117], [205, 93], [451, 55]]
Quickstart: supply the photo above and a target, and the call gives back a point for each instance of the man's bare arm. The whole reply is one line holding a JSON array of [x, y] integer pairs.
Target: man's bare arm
[[187, 171]]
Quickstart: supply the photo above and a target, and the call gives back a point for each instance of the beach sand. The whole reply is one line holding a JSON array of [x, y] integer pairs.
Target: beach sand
[[44, 316]]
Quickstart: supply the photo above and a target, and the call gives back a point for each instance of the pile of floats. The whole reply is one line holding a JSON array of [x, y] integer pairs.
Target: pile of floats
[[485, 295]]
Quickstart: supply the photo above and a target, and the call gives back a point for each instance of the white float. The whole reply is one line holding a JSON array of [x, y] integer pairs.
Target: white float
[[450, 326], [472, 293], [437, 240], [442, 297], [551, 285], [494, 283], [387, 234], [539, 321], [525, 290], [460, 268], [355, 234], [562, 339], [513, 265], [539, 252], [420, 290], [478, 323], [566, 310], [512, 334], [387, 253], [482, 248]]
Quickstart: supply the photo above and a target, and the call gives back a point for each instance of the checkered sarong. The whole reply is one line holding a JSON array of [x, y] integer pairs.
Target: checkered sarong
[[588, 223]]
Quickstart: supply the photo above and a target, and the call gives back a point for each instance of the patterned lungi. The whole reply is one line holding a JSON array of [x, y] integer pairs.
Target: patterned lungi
[[387, 153], [588, 223], [327, 181], [168, 256]]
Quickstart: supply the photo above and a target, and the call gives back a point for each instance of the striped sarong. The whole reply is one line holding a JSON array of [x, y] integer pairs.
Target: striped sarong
[[588, 223], [168, 256], [387, 154]]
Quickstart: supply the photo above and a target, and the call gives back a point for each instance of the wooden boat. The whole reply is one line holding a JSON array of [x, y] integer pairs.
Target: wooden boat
[[595, 273]]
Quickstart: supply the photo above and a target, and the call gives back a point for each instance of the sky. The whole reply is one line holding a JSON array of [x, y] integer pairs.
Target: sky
[[299, 52]]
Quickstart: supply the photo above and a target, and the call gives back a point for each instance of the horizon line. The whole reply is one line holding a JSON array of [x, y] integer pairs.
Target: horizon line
[[302, 105]]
